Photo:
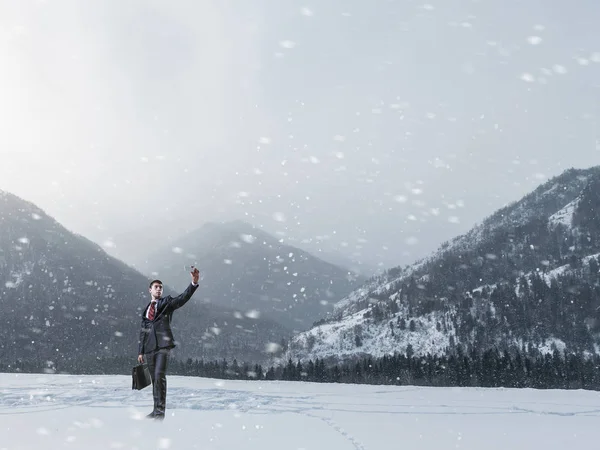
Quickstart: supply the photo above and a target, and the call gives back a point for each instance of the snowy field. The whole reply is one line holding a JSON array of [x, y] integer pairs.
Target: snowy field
[[102, 412]]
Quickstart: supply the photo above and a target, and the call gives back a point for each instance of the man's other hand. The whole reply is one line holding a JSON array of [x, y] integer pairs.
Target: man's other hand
[[140, 359]]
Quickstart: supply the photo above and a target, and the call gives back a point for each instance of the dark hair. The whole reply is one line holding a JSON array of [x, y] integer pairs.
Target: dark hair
[[155, 281]]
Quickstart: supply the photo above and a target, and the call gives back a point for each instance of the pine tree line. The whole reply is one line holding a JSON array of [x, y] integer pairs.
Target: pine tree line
[[492, 368]]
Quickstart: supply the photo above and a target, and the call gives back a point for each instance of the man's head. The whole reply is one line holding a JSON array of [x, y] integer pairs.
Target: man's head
[[156, 289]]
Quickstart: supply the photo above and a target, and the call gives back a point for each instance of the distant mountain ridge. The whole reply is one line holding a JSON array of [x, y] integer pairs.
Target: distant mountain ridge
[[526, 276], [331, 254], [246, 268]]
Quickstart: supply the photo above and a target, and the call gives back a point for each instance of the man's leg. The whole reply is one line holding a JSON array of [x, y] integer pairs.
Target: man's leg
[[160, 376], [150, 359]]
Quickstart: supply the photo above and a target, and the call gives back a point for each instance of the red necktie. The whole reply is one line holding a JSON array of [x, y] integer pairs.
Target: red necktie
[[151, 312]]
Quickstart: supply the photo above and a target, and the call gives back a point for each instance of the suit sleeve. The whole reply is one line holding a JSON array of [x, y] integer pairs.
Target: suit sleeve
[[141, 339], [183, 298]]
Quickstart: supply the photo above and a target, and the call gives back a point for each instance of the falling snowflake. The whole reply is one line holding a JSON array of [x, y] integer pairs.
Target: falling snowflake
[[287, 44], [279, 217], [248, 238], [272, 347], [164, 443], [253, 314], [528, 77], [559, 69]]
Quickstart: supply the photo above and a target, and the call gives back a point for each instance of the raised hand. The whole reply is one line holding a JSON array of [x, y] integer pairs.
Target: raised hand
[[195, 275]]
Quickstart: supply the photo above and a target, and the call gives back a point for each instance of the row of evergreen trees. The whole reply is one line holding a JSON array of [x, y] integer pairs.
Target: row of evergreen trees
[[516, 369], [489, 369]]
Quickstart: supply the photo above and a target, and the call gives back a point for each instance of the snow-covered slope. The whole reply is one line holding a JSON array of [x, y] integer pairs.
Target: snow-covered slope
[[564, 216], [358, 335]]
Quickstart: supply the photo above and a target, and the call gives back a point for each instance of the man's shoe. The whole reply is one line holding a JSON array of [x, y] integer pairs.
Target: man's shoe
[[159, 416], [151, 415]]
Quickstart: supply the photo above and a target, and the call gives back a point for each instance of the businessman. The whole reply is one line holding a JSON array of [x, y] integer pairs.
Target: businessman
[[156, 338]]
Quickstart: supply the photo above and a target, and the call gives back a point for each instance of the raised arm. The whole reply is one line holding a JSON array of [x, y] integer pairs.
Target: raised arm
[[182, 299]]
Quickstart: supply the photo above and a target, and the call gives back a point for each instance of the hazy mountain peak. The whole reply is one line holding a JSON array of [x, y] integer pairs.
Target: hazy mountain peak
[[247, 268]]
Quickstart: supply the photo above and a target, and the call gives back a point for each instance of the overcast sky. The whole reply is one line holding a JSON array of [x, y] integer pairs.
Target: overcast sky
[[387, 127]]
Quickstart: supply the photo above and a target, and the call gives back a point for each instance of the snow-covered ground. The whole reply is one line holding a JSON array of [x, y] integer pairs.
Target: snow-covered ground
[[102, 412]]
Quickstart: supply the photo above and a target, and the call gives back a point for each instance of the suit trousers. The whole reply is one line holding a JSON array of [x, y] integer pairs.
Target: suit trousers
[[157, 364]]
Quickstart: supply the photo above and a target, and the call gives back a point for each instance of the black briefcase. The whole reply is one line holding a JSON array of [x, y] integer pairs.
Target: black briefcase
[[140, 377]]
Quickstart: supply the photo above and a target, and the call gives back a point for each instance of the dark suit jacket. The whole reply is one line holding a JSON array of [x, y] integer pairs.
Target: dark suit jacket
[[156, 334]]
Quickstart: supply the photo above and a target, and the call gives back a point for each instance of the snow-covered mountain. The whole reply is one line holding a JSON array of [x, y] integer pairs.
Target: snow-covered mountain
[[528, 275]]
